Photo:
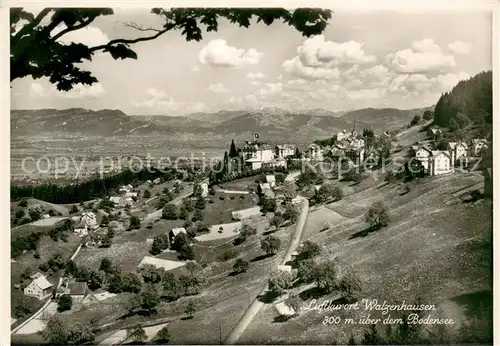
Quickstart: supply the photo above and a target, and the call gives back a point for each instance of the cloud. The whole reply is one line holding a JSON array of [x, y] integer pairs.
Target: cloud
[[218, 88], [158, 101], [425, 45], [459, 47], [79, 91], [410, 61], [271, 89], [195, 68], [219, 53], [257, 75], [320, 59], [90, 36]]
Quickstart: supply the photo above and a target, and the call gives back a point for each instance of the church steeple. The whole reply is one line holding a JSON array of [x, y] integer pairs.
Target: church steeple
[[354, 128]]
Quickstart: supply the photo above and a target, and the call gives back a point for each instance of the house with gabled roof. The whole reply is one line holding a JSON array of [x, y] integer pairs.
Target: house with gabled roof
[[78, 290], [477, 144], [440, 162], [285, 150], [423, 155], [458, 151], [39, 288], [173, 233]]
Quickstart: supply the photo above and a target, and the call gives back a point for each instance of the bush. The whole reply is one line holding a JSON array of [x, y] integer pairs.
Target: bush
[[279, 281], [270, 245], [378, 216], [34, 214], [240, 266], [65, 302], [230, 254], [23, 203], [147, 194], [169, 212], [135, 223], [73, 209], [415, 120]]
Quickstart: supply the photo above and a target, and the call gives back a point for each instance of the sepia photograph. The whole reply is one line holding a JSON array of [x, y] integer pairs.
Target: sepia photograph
[[251, 175]]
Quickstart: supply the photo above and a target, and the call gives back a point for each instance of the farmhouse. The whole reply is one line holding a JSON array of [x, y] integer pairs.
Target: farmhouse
[[458, 151], [285, 150], [477, 145], [423, 154], [78, 290], [246, 213], [440, 163], [174, 231], [39, 288], [89, 219]]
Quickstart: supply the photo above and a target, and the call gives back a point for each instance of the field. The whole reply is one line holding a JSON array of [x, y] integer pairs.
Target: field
[[220, 211], [437, 248]]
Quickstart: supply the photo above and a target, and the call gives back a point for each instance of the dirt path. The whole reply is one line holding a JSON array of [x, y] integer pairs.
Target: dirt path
[[256, 305]]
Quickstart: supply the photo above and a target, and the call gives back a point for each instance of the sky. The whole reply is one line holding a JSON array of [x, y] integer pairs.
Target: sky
[[375, 58]]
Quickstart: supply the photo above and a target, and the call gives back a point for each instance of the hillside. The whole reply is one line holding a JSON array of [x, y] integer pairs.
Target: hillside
[[437, 248], [469, 101], [384, 118], [269, 123]]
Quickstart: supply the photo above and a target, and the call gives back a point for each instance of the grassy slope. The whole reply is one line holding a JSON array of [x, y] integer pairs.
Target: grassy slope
[[435, 248]]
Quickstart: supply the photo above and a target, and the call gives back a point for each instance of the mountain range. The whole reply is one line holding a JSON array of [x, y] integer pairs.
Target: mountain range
[[272, 123]]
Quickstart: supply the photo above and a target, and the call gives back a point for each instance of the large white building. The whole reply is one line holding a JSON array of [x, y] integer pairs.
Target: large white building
[[257, 153], [440, 162], [285, 150]]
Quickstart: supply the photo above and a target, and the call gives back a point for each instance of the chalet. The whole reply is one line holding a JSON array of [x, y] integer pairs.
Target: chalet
[[174, 232], [423, 154], [315, 152], [440, 162], [89, 219], [271, 180], [39, 288], [458, 151], [285, 150], [78, 290], [434, 133], [477, 145], [257, 153], [246, 213]]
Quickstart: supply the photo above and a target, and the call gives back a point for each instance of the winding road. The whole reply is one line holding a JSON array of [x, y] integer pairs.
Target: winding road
[[256, 305]]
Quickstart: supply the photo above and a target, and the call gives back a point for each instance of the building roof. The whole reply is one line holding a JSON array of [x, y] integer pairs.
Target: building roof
[[245, 213], [286, 146], [77, 288], [42, 282], [115, 199], [436, 153], [284, 310], [88, 214], [36, 275], [285, 268], [452, 145], [161, 263], [265, 186], [270, 178], [254, 146], [178, 230]]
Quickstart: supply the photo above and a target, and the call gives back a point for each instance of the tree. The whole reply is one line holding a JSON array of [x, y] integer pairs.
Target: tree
[[415, 121], [160, 243], [65, 302], [325, 275], [232, 150], [277, 220], [198, 215], [294, 302], [73, 209], [107, 266], [172, 287], [308, 250], [183, 213], [34, 214], [133, 304], [131, 282], [291, 213], [270, 245], [306, 271], [105, 221], [169, 212], [190, 309], [71, 268], [279, 281], [146, 194], [328, 191], [267, 204], [179, 241], [136, 334], [95, 279], [150, 273], [372, 337], [350, 285], [163, 336], [23, 203], [187, 252], [56, 60], [200, 203], [240, 266], [150, 299], [427, 115], [135, 223], [377, 215]]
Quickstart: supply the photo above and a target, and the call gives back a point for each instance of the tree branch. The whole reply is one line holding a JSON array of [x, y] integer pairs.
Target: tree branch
[[30, 26], [73, 28], [138, 27], [125, 41]]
